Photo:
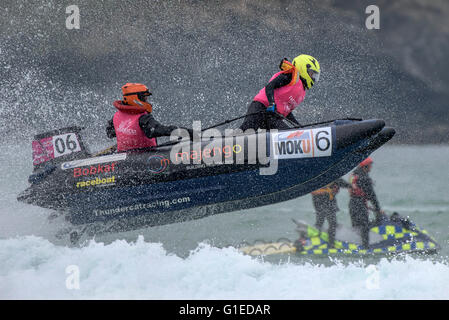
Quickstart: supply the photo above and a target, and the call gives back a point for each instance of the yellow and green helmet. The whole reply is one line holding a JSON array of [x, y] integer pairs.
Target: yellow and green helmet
[[309, 69]]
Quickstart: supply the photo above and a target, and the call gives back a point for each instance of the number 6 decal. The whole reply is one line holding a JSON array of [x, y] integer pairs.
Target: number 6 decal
[[71, 145], [323, 142]]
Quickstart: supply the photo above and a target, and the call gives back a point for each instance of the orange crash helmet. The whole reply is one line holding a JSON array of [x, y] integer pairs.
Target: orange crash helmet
[[135, 94]]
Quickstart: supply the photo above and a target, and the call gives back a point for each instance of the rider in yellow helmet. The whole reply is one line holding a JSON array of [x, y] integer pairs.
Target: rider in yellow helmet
[[283, 93], [309, 70]]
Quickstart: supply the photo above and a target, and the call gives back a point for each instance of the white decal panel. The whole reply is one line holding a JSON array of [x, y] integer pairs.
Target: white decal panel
[[92, 161], [302, 143], [65, 144]]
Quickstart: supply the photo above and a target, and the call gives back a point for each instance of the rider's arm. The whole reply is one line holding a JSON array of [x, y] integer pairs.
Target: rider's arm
[[153, 129], [278, 82], [367, 185], [110, 130], [342, 183]]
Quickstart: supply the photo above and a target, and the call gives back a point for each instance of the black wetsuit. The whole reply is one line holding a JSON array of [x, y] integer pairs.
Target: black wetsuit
[[326, 207], [268, 120], [150, 126], [362, 191]]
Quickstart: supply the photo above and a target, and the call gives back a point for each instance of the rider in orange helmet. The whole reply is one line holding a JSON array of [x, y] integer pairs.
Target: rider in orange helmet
[[133, 123]]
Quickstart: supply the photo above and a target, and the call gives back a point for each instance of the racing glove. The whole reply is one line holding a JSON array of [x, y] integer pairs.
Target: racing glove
[[271, 108]]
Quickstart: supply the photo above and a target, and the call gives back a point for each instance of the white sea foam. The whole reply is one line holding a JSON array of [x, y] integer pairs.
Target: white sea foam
[[34, 268]]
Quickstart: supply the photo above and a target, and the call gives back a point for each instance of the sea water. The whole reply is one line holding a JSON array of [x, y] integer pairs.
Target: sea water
[[198, 259]]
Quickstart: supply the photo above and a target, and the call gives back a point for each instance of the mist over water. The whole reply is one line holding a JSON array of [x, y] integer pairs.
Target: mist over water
[[207, 62]]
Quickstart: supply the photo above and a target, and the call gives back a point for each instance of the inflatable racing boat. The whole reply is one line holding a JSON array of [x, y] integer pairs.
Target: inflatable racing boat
[[193, 179]]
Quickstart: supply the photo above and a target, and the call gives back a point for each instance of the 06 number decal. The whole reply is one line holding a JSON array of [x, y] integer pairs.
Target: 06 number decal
[[65, 144]]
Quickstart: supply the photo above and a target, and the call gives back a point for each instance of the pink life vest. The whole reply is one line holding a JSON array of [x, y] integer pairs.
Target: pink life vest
[[287, 98], [127, 129]]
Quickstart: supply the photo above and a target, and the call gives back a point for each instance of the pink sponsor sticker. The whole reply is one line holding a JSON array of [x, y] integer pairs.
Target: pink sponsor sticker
[[43, 150]]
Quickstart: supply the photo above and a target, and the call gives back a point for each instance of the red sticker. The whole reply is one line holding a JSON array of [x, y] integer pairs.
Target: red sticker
[[43, 150]]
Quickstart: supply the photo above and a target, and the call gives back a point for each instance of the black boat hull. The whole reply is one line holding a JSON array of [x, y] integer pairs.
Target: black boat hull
[[149, 188]]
